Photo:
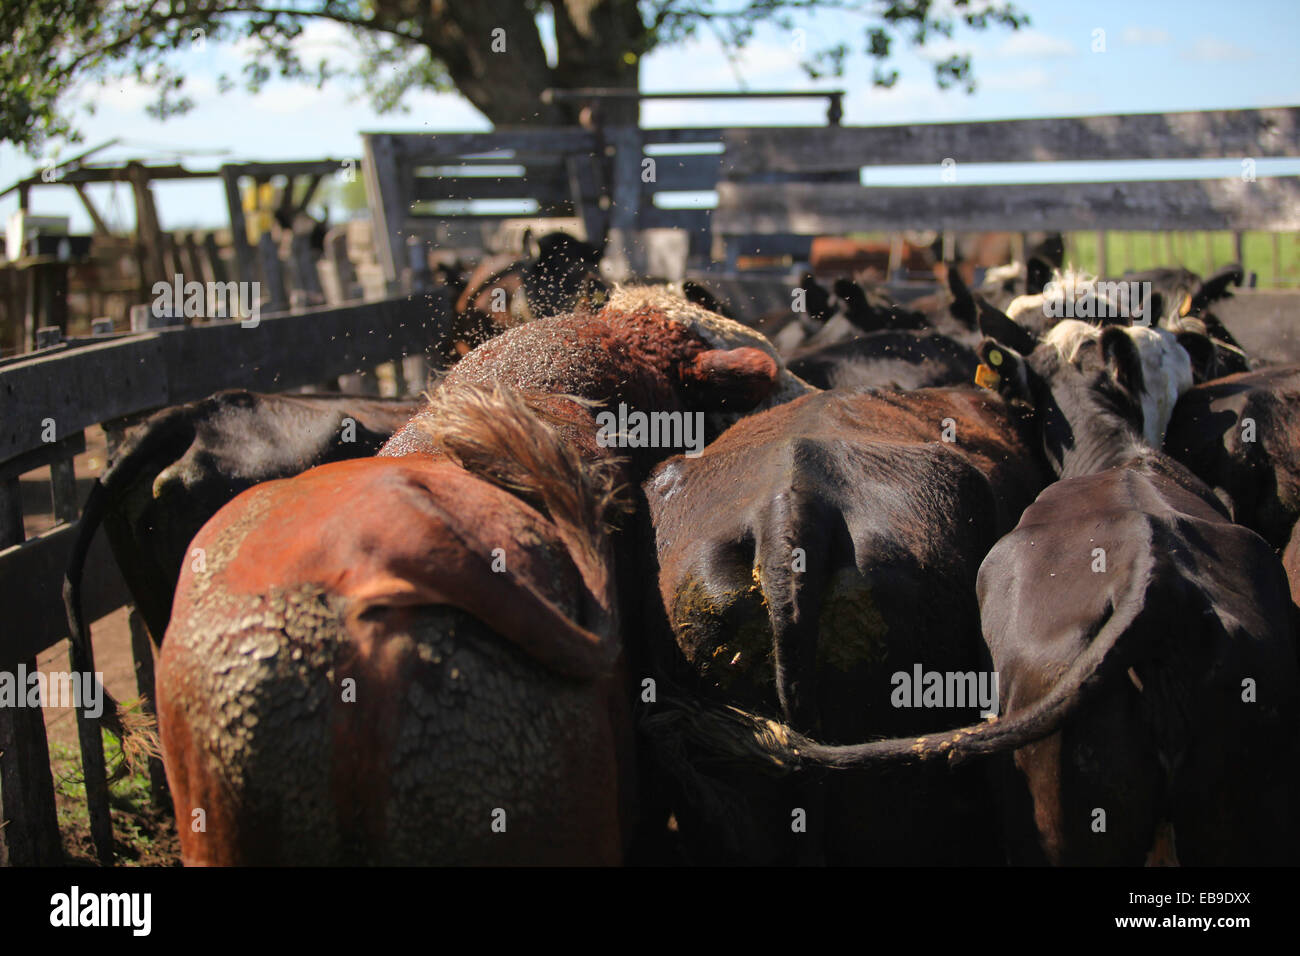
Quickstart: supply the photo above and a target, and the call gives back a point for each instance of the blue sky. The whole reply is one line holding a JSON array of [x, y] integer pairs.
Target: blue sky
[[1159, 56]]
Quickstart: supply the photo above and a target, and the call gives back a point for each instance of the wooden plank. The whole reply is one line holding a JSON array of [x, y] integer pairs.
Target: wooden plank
[[818, 209], [47, 454], [693, 220], [268, 261], [244, 262], [29, 826], [81, 660], [543, 140], [543, 188], [142, 652], [1208, 134], [31, 577], [386, 196], [685, 172], [698, 134], [311, 167], [85, 386]]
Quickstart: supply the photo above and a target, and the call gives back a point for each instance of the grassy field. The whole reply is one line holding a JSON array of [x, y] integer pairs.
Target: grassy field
[[1202, 252]]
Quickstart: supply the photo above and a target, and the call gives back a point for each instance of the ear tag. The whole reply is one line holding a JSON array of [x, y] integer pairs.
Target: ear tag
[[995, 357], [1186, 307], [985, 377]]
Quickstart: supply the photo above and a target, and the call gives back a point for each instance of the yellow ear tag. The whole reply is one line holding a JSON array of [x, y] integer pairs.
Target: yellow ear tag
[[1186, 306], [995, 357], [985, 377]]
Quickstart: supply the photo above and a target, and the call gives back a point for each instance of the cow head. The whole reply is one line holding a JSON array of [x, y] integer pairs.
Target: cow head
[[1100, 394], [716, 331]]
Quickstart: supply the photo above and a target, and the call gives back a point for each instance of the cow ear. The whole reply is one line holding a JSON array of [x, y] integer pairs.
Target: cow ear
[[1002, 370], [997, 325], [1157, 307], [1123, 363], [1201, 351], [962, 307], [1215, 288], [732, 378], [1038, 272]]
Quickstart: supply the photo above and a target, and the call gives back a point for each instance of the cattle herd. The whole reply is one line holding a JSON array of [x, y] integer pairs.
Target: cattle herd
[[961, 580]]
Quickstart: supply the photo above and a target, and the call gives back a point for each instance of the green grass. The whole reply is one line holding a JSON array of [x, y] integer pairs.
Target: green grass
[[141, 833], [1145, 250]]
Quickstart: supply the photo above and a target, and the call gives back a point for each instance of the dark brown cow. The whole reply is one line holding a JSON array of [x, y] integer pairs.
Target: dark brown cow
[[812, 552]]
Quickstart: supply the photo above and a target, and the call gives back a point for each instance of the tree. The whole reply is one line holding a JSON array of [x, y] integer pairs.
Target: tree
[[489, 50]]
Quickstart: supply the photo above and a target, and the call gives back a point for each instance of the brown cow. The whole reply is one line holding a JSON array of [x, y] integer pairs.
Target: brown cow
[[475, 624], [401, 661]]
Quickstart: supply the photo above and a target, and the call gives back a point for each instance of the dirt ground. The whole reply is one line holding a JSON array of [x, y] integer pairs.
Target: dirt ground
[[144, 834]]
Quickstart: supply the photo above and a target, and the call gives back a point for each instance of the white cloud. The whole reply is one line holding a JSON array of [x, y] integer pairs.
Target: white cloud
[[1029, 78], [1215, 50], [1144, 36], [1033, 44]]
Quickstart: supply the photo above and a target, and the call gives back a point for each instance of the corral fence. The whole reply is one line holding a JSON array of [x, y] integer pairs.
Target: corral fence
[[779, 188], [48, 400], [776, 190]]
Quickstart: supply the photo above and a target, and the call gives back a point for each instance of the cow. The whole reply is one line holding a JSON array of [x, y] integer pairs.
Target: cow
[[561, 276], [177, 468], [406, 660], [812, 552], [1178, 301], [446, 582], [899, 359], [643, 325], [1183, 736], [1127, 597], [1241, 435]]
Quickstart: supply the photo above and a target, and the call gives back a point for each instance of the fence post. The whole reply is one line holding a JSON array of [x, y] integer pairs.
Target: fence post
[[269, 258], [142, 652], [624, 150], [29, 825]]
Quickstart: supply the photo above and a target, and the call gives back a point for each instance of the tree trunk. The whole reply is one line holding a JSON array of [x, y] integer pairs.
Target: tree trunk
[[493, 53]]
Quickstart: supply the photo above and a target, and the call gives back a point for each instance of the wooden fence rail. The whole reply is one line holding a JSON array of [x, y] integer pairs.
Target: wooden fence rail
[[779, 187], [46, 402]]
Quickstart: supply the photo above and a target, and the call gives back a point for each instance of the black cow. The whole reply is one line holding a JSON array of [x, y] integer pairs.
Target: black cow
[[1241, 436], [179, 467], [811, 553], [1145, 643], [901, 359], [1130, 612]]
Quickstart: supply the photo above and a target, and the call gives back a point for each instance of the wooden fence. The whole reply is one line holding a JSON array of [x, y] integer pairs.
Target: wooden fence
[[777, 188], [109, 381]]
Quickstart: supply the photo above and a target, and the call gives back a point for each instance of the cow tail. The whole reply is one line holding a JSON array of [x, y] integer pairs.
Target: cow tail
[[133, 729], [793, 588], [506, 437], [719, 734]]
